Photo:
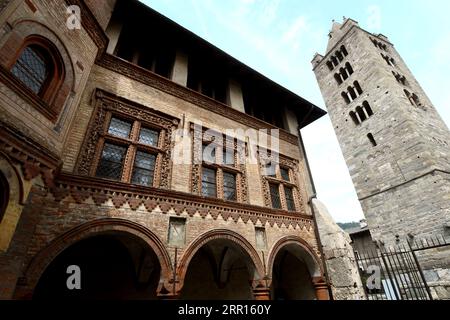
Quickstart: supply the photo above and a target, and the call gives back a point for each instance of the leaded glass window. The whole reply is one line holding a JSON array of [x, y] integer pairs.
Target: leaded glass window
[[144, 169], [32, 68], [209, 153], [228, 157], [289, 198], [120, 128], [275, 195], [209, 180], [149, 137], [285, 174], [111, 162], [229, 186]]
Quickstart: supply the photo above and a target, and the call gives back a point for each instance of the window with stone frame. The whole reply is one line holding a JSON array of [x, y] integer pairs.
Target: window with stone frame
[[127, 143], [218, 171], [281, 190]]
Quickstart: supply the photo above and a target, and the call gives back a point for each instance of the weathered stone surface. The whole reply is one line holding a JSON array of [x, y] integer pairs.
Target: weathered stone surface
[[402, 175], [341, 264]]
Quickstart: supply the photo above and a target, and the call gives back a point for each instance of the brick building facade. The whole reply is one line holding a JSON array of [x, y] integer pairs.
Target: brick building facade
[[91, 121]]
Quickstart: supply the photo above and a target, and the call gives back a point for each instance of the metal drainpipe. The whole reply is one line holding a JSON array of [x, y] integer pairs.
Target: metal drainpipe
[[316, 227]]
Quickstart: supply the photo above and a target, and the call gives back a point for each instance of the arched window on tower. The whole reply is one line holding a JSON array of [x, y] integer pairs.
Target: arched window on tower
[[372, 139], [335, 61], [358, 88], [416, 100], [362, 115], [349, 68], [339, 56], [410, 97], [330, 65], [344, 51], [367, 109], [346, 98], [352, 93], [354, 118], [40, 68], [4, 195], [338, 78], [344, 73]]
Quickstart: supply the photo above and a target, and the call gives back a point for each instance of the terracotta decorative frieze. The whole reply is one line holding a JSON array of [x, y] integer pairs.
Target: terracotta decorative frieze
[[100, 191], [34, 159]]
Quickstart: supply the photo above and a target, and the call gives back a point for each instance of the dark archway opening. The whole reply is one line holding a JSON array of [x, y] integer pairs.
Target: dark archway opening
[[4, 195], [291, 279], [220, 270], [119, 267]]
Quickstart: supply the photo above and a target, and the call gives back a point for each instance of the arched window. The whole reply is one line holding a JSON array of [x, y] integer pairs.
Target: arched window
[[40, 68], [344, 51], [4, 195], [410, 97], [335, 61], [339, 56], [372, 139], [352, 93], [354, 117], [346, 98], [416, 100], [367, 108], [330, 65], [344, 74], [338, 78], [361, 114], [392, 62], [349, 68], [358, 88]]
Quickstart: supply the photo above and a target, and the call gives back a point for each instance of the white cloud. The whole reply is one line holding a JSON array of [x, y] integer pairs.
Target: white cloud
[[295, 30]]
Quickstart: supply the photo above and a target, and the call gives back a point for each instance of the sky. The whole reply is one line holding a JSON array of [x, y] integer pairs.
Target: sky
[[279, 39]]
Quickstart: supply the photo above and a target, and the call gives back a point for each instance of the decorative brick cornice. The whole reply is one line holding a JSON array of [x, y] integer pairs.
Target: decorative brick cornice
[[149, 78], [33, 158], [81, 188]]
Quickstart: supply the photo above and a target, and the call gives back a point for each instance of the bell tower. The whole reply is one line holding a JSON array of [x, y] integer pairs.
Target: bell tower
[[396, 145]]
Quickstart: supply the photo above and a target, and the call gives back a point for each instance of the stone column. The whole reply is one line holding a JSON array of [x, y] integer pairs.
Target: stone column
[[180, 69], [235, 96], [321, 287]]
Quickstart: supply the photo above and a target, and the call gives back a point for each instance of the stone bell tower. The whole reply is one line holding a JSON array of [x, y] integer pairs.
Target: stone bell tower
[[396, 145]]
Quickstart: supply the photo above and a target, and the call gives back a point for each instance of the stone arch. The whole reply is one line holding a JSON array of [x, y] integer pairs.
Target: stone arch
[[14, 200], [303, 251], [219, 234], [42, 260]]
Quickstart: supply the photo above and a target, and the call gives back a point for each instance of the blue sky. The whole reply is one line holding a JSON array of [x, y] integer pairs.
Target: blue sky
[[279, 38]]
